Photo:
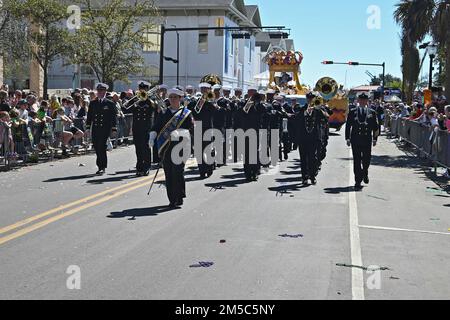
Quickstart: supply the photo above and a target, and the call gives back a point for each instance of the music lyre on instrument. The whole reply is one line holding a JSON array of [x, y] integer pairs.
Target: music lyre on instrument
[[249, 105]]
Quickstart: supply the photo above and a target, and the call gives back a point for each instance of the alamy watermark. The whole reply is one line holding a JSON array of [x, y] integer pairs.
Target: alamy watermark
[[74, 21], [374, 19], [74, 280], [373, 281], [253, 145]]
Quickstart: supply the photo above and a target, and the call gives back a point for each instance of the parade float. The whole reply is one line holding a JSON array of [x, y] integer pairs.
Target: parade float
[[288, 62], [285, 62]]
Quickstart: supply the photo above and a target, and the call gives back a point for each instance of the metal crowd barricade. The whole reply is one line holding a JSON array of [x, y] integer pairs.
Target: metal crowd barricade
[[4, 145], [434, 144], [27, 137]]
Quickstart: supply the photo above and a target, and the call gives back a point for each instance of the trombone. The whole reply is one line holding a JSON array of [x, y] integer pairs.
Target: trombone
[[208, 97], [143, 96]]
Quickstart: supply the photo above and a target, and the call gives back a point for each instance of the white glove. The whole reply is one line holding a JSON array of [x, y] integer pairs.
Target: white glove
[[151, 141]]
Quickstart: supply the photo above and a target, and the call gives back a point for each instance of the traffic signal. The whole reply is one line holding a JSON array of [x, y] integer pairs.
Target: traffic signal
[[327, 62], [351, 63]]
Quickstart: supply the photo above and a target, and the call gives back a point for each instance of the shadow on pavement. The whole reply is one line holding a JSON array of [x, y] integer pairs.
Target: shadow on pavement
[[112, 179], [71, 178], [226, 184], [287, 188], [140, 212], [340, 190]]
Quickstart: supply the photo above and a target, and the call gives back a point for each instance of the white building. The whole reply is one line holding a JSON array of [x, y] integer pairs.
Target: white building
[[201, 52]]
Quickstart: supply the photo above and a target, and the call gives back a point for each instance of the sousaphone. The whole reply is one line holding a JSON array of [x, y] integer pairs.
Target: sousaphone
[[327, 88]]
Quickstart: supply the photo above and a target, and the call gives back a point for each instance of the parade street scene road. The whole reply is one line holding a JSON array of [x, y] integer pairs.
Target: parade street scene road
[[273, 239], [212, 151]]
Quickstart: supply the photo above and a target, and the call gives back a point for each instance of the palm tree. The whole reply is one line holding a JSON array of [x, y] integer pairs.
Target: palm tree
[[420, 18]]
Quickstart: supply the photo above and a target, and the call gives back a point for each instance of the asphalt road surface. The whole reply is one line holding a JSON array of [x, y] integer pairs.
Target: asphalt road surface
[[67, 234]]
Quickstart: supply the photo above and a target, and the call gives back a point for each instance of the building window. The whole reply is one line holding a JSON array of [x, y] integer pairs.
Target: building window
[[152, 39], [203, 41]]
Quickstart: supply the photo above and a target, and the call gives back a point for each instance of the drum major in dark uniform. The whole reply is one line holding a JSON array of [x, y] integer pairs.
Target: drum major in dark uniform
[[361, 133]]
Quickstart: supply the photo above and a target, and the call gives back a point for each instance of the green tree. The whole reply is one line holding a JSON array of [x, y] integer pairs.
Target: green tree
[[111, 37], [420, 18], [410, 68], [48, 37], [390, 80]]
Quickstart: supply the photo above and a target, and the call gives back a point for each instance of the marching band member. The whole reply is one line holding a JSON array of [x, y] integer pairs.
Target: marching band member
[[102, 116], [250, 113], [144, 113], [307, 123], [203, 110], [176, 121]]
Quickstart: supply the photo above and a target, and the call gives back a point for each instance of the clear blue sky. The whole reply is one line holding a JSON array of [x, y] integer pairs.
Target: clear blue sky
[[337, 30]]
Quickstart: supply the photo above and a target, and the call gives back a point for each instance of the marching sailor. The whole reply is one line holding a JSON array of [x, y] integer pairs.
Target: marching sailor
[[361, 133], [203, 111], [102, 118], [144, 112], [307, 122], [171, 127]]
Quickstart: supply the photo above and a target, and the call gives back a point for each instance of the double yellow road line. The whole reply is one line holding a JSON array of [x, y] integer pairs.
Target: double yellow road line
[[78, 205]]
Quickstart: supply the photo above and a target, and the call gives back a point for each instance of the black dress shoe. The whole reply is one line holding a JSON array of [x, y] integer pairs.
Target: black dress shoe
[[305, 182], [313, 181], [366, 179], [146, 173], [172, 206], [358, 186], [100, 172], [179, 203]]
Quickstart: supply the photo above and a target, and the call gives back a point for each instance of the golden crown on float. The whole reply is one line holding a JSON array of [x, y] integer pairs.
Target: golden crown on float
[[285, 60], [280, 60]]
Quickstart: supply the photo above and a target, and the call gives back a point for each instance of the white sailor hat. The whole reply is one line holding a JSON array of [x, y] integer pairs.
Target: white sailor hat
[[189, 87], [204, 85], [217, 87], [226, 88], [262, 92], [279, 97], [163, 86], [252, 88], [238, 89], [180, 88], [102, 86], [270, 91], [176, 91]]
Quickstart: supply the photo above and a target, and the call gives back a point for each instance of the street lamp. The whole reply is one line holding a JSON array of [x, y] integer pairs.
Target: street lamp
[[432, 51]]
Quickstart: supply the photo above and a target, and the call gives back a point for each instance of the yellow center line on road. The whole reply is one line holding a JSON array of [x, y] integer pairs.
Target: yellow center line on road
[[112, 194], [68, 205], [74, 203], [43, 223]]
